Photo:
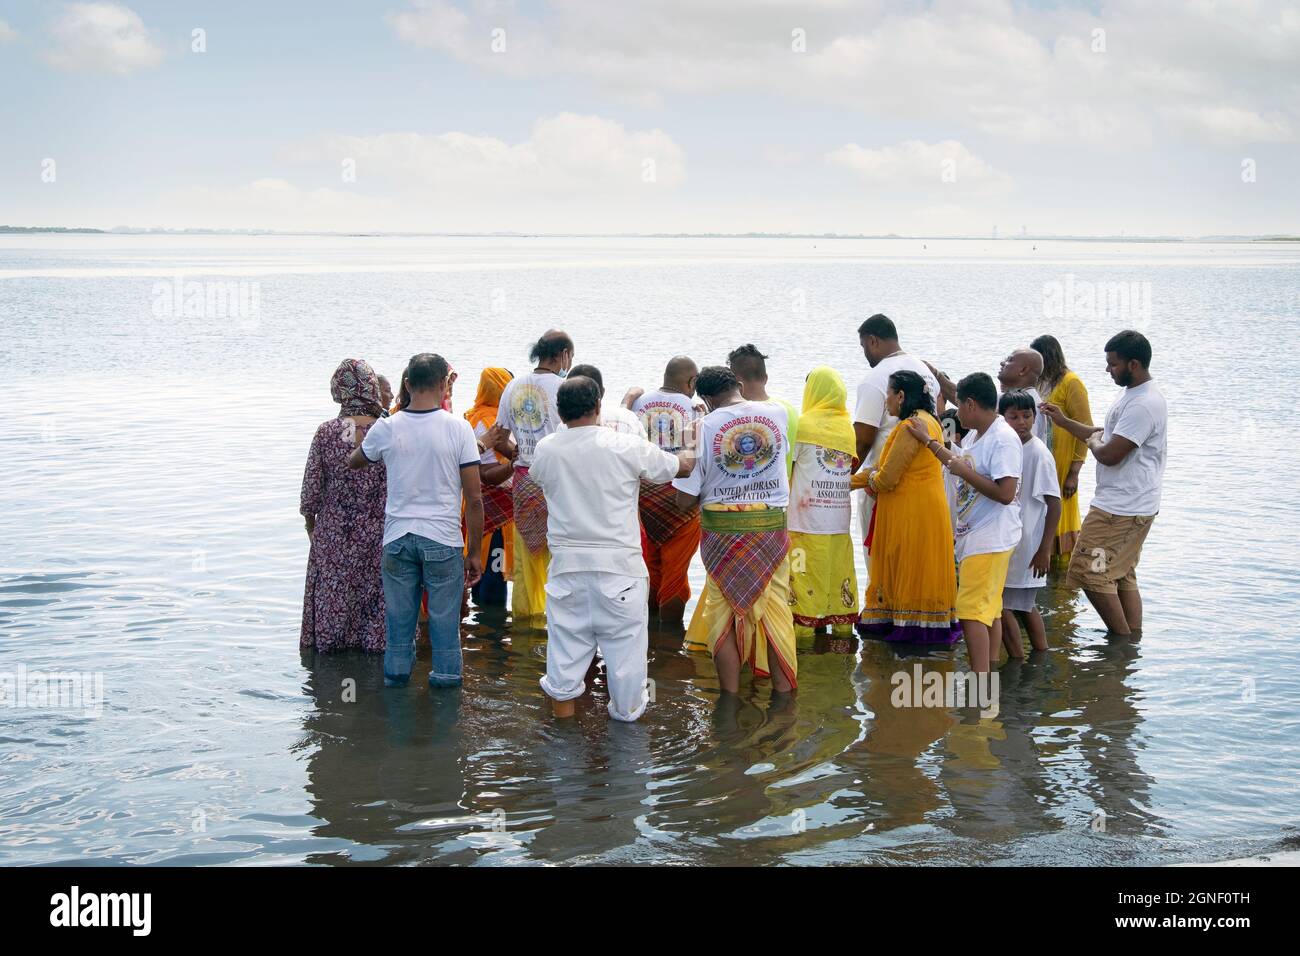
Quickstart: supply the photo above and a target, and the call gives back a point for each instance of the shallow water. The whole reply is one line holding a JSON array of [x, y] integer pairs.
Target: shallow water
[[151, 537]]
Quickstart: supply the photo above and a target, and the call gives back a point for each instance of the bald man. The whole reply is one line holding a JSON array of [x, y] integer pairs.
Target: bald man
[[1021, 370], [669, 536]]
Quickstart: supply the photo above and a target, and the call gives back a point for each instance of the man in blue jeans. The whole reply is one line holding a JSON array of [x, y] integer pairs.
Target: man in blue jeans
[[432, 459]]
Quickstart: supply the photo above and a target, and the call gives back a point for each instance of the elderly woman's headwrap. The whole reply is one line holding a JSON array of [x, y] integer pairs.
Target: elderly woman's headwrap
[[355, 387]]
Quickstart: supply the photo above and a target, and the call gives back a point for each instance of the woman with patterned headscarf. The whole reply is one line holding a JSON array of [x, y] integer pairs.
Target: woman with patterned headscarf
[[343, 603]]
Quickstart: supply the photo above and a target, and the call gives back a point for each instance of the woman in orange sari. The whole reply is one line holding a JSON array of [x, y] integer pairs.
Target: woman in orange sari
[[912, 592], [1064, 389], [498, 505]]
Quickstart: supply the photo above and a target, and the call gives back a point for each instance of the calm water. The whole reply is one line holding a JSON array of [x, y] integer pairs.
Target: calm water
[[151, 538]]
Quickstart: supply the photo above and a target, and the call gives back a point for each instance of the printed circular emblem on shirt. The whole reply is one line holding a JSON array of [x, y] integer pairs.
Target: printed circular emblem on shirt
[[664, 424], [747, 446], [966, 493], [833, 461], [529, 406]]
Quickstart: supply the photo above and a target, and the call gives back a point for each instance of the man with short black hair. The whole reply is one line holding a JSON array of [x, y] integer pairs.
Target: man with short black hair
[[872, 422], [432, 460], [742, 488], [988, 465], [616, 417], [598, 584], [1130, 450], [749, 365], [526, 413]]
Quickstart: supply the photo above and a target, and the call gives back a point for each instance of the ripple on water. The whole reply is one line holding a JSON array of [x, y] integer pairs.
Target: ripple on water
[[150, 542]]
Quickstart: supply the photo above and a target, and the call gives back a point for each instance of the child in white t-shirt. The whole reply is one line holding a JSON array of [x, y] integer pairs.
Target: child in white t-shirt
[[953, 435], [1039, 496], [988, 462]]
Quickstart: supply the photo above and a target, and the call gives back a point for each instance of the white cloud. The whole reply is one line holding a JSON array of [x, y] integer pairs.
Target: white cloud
[[565, 155], [7, 32], [101, 38], [1229, 125], [914, 165], [948, 60], [571, 173], [271, 203]]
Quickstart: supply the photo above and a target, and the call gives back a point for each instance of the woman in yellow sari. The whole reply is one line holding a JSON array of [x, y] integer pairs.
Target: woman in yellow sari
[[1064, 389], [823, 582], [912, 592], [498, 506]]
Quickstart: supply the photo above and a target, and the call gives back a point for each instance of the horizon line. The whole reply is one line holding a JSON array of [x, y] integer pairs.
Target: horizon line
[[507, 234]]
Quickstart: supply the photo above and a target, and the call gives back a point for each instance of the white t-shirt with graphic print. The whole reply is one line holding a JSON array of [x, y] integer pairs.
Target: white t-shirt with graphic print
[[742, 452]]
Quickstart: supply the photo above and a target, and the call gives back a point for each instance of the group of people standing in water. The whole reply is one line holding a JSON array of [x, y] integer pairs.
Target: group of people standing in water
[[593, 510]]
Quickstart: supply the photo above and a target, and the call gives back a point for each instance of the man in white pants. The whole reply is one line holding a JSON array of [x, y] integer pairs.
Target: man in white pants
[[596, 595]]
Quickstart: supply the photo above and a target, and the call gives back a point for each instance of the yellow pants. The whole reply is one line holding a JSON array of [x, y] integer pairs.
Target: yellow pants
[[528, 594]]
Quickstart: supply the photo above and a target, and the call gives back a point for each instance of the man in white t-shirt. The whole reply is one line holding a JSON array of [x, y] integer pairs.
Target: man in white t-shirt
[[749, 365], [1130, 450], [526, 415], [741, 485], [670, 535], [616, 417], [872, 422], [666, 412], [597, 586], [1039, 498], [432, 461], [989, 463], [1021, 371]]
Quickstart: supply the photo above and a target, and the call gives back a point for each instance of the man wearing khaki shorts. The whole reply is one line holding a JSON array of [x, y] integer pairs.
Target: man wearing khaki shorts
[[1130, 451]]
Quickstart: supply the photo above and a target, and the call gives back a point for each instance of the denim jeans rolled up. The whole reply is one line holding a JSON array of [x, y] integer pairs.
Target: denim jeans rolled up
[[414, 564]]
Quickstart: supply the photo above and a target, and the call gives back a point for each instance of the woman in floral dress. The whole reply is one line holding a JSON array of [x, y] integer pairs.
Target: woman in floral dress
[[343, 603]]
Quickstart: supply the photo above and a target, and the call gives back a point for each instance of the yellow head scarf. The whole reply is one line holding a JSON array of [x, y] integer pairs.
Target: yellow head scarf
[[825, 415], [491, 384]]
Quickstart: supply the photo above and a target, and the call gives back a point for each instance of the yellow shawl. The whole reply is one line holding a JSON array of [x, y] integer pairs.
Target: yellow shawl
[[825, 417]]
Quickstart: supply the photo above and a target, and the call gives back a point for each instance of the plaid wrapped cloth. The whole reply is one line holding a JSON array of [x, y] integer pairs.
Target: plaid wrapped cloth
[[660, 516], [741, 551], [498, 508], [530, 511]]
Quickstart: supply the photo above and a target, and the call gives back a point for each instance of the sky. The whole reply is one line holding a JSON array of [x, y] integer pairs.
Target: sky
[[1141, 117]]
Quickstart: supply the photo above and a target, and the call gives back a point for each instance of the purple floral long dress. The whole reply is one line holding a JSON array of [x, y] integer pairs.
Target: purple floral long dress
[[343, 603]]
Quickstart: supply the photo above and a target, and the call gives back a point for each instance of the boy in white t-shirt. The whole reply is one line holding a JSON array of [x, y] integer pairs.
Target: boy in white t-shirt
[[1039, 497], [988, 518], [953, 434]]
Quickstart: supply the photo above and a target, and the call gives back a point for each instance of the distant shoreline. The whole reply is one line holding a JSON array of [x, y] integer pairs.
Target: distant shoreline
[[125, 231]]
